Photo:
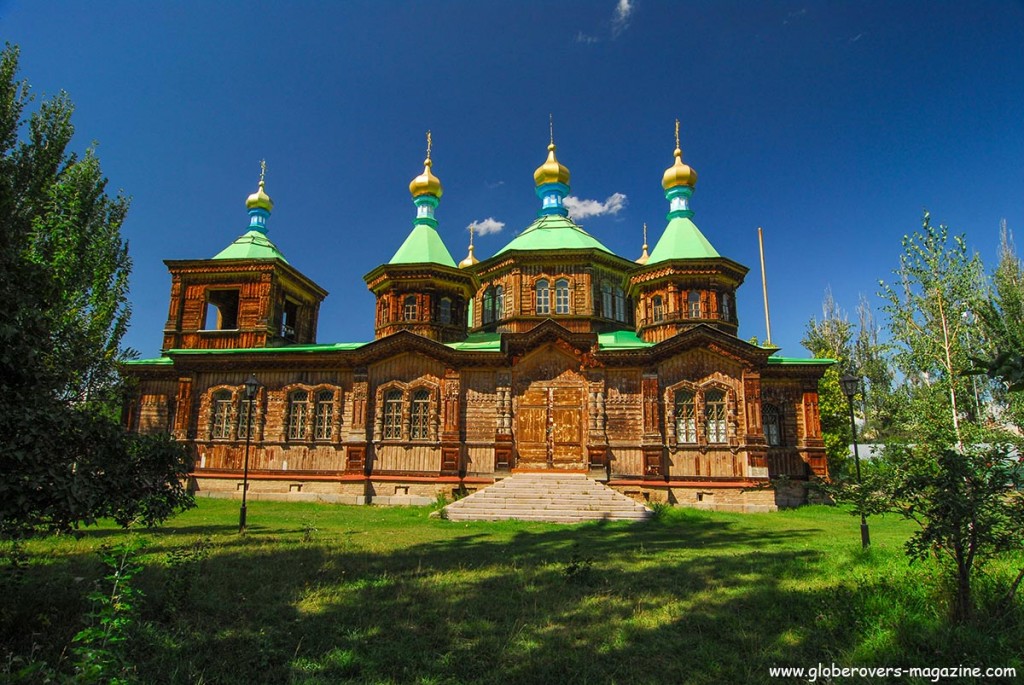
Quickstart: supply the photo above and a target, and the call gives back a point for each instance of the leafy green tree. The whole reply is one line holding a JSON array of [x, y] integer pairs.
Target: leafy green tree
[[1002, 319], [938, 283], [64, 459], [871, 361], [830, 338]]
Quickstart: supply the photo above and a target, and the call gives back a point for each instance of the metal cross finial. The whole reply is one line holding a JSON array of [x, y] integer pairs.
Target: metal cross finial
[[472, 227], [645, 233], [429, 143], [677, 134], [263, 170], [551, 127]]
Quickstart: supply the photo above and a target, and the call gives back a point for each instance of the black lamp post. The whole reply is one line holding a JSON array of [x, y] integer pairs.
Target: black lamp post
[[251, 384], [851, 384]]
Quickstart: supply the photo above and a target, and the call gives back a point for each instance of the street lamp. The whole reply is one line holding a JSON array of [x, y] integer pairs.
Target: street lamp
[[851, 384], [251, 384]]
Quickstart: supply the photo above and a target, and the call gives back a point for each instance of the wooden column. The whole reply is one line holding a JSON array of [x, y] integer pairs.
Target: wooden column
[[355, 448]]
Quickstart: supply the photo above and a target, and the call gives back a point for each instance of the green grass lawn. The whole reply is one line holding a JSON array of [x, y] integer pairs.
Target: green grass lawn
[[329, 594]]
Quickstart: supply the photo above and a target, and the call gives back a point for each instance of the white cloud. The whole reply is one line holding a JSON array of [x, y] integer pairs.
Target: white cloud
[[582, 209], [485, 226], [620, 19], [585, 38]]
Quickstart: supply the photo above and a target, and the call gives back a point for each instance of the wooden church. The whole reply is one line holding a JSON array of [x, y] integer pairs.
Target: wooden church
[[553, 354]]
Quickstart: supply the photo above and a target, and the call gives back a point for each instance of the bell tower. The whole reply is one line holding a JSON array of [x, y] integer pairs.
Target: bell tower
[[246, 296]]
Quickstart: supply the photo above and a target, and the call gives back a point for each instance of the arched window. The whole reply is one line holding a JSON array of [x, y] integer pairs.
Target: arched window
[[220, 428], [772, 425], [606, 300], [658, 308], [488, 313], [298, 409], [723, 301], [246, 410], [411, 310], [561, 296], [445, 310], [686, 417], [543, 297], [693, 300], [323, 421], [419, 418], [393, 415], [620, 304], [714, 416], [499, 303]]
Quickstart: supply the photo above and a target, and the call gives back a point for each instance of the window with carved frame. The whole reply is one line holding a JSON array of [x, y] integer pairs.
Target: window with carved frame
[[499, 303], [410, 308], [488, 313], [298, 410], [714, 416], [220, 422], [607, 311], [543, 297], [693, 300], [561, 296], [620, 304], [658, 307], [323, 417], [686, 416], [392, 428], [419, 416], [246, 415], [772, 419], [723, 301], [445, 310]]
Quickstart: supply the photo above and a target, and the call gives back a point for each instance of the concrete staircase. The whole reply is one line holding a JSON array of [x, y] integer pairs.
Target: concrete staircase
[[551, 496]]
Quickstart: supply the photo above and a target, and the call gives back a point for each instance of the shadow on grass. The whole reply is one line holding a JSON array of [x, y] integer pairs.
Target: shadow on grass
[[689, 599]]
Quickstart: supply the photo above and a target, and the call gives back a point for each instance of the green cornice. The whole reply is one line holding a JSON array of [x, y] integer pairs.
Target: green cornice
[[251, 245], [682, 240], [423, 246]]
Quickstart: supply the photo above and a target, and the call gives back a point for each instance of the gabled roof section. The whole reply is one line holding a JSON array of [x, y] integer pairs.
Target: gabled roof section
[[682, 240], [423, 246], [554, 232], [251, 245]]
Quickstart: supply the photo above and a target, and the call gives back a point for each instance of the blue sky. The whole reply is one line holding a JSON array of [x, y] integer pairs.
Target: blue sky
[[830, 124]]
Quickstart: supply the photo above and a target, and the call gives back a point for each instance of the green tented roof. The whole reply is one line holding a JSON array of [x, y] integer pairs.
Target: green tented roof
[[251, 245], [682, 240], [554, 232], [423, 246], [620, 340]]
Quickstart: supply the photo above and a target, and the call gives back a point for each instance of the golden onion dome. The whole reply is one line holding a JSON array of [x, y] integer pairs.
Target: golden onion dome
[[679, 174], [426, 183], [260, 199], [470, 259], [551, 171]]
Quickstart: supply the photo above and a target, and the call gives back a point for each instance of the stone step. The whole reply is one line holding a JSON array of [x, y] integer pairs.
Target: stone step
[[554, 497]]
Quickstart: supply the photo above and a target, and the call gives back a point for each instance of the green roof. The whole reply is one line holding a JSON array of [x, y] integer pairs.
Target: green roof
[[251, 245], [682, 240], [554, 232], [620, 340], [423, 246], [324, 347], [796, 361], [479, 342], [158, 361]]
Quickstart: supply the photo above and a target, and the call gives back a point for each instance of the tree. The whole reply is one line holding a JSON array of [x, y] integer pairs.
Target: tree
[[63, 279], [1002, 320], [938, 284], [830, 338], [870, 360]]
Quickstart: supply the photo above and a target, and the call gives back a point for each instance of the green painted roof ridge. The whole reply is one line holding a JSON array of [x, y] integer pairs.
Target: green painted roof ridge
[[251, 245], [423, 246], [682, 240]]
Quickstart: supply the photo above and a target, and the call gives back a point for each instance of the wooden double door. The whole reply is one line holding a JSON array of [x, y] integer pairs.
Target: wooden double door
[[549, 428]]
